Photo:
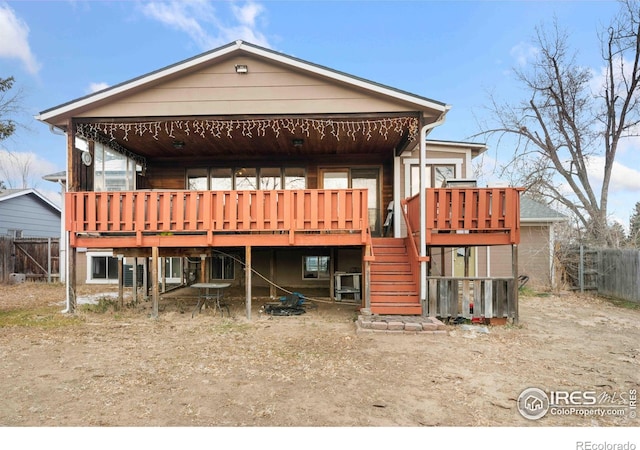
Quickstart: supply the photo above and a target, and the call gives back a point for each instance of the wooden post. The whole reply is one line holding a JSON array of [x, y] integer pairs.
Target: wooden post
[[71, 280], [514, 259], [154, 281], [120, 281], [247, 276], [203, 268], [163, 268], [135, 280], [272, 274], [367, 286], [48, 260], [72, 186], [145, 278]]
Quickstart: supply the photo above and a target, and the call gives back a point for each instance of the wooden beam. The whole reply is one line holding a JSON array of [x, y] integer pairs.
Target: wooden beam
[[120, 281], [272, 273], [135, 281], [514, 261], [247, 275], [72, 178], [72, 279], [203, 268], [154, 281]]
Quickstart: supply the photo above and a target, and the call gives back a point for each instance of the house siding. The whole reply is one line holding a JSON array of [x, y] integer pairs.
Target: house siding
[[268, 88], [31, 215]]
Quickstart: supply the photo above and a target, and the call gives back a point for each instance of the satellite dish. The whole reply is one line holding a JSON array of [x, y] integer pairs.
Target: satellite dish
[[86, 158]]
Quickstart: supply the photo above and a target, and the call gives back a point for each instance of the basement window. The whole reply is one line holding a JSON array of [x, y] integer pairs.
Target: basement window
[[222, 267], [101, 268], [315, 267]]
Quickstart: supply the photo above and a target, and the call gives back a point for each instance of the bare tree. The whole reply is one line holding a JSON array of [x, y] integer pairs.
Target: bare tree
[[563, 128], [9, 106]]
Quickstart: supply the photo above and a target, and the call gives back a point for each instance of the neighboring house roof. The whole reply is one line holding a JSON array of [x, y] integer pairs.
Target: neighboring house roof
[[533, 211], [8, 194], [237, 47]]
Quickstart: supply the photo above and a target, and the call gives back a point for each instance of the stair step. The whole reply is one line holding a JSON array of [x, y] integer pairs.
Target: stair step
[[394, 297], [389, 249], [392, 277], [390, 257], [391, 268], [397, 308], [390, 286]]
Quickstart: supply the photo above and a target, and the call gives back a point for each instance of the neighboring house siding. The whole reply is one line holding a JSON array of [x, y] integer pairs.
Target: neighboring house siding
[[533, 257], [31, 215], [268, 88]]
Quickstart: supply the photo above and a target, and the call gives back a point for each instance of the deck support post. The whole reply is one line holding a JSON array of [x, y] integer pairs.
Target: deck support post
[[71, 280], [247, 277], [514, 262], [164, 274], [203, 268], [135, 280], [120, 281], [154, 282], [145, 278], [272, 273]]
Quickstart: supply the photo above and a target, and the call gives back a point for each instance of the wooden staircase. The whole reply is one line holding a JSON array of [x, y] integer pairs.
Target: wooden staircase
[[393, 286]]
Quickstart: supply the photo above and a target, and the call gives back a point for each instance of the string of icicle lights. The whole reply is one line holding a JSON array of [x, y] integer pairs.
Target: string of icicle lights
[[254, 128]]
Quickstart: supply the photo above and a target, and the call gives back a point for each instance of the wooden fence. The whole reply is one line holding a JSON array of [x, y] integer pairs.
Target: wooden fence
[[619, 274], [609, 272], [36, 258], [472, 297]]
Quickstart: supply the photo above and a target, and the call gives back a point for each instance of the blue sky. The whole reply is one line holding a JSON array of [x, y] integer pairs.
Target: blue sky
[[451, 51]]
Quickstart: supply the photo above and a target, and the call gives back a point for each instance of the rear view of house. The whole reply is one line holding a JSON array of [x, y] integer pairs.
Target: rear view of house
[[244, 158]]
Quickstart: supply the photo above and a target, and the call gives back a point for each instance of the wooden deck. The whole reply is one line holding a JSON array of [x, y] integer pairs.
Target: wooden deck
[[454, 217], [217, 218], [457, 217]]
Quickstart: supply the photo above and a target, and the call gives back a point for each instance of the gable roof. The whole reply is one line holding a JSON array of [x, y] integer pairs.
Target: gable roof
[[533, 211], [8, 194], [236, 48]]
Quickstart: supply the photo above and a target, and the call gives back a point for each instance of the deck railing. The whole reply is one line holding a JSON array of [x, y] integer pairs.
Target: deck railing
[[167, 213], [468, 216]]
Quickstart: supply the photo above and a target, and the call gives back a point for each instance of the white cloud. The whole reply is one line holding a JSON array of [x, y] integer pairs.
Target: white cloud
[[14, 42], [206, 26], [523, 53], [95, 87], [623, 178]]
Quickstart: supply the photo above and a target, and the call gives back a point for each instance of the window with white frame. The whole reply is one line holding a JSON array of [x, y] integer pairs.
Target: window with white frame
[[436, 174], [102, 267], [112, 171], [246, 178]]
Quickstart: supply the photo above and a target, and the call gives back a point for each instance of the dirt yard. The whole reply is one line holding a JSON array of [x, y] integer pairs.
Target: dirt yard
[[106, 368]]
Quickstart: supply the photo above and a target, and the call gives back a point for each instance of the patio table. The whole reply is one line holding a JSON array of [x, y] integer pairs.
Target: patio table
[[205, 296]]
